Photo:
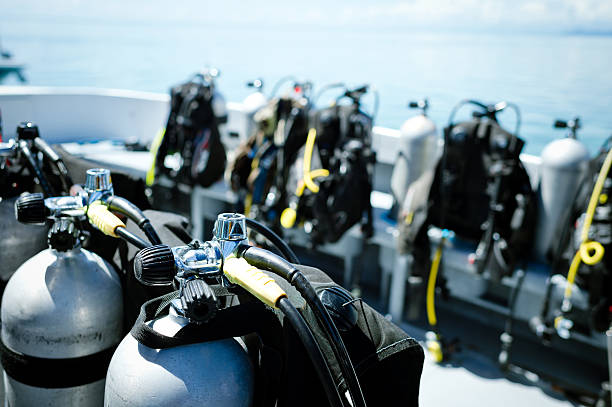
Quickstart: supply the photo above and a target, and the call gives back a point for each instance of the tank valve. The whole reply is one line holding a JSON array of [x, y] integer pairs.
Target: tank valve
[[154, 266], [98, 184], [63, 235], [230, 232], [27, 131], [30, 208], [198, 301]]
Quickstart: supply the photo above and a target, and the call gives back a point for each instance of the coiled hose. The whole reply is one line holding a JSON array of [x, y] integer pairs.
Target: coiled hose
[[590, 252]]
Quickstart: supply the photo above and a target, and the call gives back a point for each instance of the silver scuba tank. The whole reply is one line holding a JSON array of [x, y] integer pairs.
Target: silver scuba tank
[[62, 316], [251, 104], [417, 148], [563, 167], [214, 373], [19, 242]]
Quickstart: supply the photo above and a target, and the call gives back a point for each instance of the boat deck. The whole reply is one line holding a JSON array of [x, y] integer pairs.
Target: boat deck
[[470, 378]]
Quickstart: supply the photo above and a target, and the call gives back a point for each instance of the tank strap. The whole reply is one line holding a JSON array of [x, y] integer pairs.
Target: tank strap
[[238, 320], [55, 373]]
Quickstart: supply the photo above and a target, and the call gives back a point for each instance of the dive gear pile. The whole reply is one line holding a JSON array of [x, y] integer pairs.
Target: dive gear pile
[[226, 322], [328, 345]]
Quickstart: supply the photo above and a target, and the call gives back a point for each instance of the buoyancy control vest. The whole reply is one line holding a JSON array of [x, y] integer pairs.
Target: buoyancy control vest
[[585, 262], [260, 168], [192, 133], [482, 192], [332, 179]]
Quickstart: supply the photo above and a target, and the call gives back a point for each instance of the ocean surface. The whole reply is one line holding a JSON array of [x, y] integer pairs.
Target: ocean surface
[[549, 76]]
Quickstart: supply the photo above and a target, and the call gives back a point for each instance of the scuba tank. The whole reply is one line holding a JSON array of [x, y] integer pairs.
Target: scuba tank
[[62, 310], [209, 373], [417, 150], [252, 103], [564, 165], [255, 100], [190, 357], [21, 170], [62, 315], [169, 370], [219, 104]]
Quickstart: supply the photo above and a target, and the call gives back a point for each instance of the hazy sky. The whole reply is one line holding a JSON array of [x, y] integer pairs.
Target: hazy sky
[[589, 16]]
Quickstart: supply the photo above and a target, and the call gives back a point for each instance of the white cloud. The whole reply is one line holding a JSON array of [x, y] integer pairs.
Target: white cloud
[[529, 15]]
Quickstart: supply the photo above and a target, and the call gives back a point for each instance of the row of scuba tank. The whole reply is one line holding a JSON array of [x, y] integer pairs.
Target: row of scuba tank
[[165, 320]]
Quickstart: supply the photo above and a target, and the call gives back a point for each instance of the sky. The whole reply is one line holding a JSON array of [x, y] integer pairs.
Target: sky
[[533, 16]]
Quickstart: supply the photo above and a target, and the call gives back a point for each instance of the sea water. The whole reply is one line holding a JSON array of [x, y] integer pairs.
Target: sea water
[[549, 76]]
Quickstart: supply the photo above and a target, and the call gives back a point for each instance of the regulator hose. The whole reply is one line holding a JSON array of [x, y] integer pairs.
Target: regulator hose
[[308, 151], [52, 156], [239, 271], [267, 260], [433, 342], [44, 184], [289, 214], [431, 284], [275, 239], [312, 348], [589, 252], [131, 238], [122, 205], [103, 220]]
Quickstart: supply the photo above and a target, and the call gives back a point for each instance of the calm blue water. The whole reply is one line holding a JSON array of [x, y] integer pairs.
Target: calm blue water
[[547, 76]]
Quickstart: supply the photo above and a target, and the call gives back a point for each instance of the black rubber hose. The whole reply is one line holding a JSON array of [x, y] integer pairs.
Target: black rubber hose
[[275, 239], [129, 237], [25, 150], [52, 156], [122, 205], [267, 260], [312, 348]]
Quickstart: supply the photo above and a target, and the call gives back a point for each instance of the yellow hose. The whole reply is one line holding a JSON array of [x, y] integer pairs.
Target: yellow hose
[[590, 252], [308, 151], [431, 284], [104, 220], [239, 271], [289, 215], [299, 191], [150, 178]]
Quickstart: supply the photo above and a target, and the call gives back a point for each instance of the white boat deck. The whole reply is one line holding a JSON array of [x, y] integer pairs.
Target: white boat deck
[[474, 381]]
